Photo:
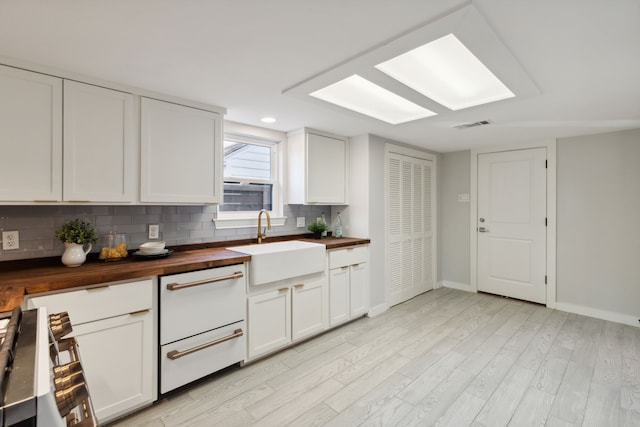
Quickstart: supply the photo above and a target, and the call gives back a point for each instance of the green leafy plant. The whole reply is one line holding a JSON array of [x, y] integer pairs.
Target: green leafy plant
[[317, 227], [77, 231]]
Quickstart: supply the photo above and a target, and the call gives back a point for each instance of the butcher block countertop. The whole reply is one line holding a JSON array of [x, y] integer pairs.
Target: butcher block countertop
[[31, 276]]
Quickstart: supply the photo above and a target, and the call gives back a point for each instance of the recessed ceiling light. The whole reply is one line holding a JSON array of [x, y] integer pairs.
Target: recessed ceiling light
[[268, 119], [447, 72], [361, 95]]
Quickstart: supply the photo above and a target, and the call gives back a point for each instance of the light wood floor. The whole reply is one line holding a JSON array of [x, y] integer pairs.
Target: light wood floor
[[446, 358]]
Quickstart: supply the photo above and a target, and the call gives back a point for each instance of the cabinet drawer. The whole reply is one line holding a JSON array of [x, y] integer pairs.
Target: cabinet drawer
[[190, 367], [348, 256], [100, 302], [217, 298]]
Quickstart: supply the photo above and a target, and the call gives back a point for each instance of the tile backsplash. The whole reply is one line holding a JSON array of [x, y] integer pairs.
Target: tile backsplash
[[179, 225]]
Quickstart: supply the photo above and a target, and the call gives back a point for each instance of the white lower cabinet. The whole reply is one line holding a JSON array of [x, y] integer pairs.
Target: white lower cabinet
[[339, 295], [296, 310], [113, 324], [348, 284], [269, 317], [358, 289], [117, 360], [309, 308]]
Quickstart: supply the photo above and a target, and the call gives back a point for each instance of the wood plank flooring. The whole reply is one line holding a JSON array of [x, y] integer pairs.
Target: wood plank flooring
[[446, 358]]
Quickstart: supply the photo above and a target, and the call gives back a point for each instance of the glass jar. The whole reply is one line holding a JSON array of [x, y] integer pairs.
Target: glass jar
[[113, 246]]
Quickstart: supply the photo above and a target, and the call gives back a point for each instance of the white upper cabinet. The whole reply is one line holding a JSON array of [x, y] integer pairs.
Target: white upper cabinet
[[181, 154], [317, 168], [30, 136], [100, 153]]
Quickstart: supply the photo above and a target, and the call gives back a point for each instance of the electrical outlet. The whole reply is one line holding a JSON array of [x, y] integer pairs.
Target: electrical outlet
[[154, 231], [300, 221], [10, 240]]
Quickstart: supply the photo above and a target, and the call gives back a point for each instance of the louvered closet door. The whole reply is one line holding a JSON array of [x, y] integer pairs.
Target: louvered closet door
[[409, 260], [394, 238]]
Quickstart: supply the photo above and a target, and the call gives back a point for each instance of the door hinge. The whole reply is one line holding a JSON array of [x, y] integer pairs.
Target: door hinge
[[545, 222], [546, 164], [545, 279]]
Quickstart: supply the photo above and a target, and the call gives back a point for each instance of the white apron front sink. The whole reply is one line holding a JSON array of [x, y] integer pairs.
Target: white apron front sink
[[275, 261]]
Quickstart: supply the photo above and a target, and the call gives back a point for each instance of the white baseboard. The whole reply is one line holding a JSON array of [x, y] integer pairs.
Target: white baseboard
[[377, 310], [598, 314], [456, 285]]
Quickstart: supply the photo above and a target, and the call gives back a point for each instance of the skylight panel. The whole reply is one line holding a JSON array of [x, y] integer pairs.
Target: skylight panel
[[448, 73], [359, 94]]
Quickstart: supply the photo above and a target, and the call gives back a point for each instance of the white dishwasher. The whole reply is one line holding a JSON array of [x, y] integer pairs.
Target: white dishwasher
[[202, 323]]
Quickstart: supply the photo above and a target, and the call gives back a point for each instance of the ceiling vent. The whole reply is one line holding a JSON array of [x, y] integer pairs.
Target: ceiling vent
[[472, 124]]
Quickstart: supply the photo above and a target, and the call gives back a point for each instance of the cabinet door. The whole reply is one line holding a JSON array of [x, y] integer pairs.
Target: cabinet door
[[181, 154], [309, 308], [206, 359], [117, 357], [269, 321], [338, 295], [218, 300], [99, 147], [326, 170], [30, 136], [358, 285]]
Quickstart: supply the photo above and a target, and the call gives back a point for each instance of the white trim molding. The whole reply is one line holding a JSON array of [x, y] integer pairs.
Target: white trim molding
[[550, 145], [377, 310], [611, 316], [227, 223], [459, 286]]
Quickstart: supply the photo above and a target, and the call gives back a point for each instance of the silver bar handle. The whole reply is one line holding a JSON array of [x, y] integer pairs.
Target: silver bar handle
[[175, 354], [178, 286]]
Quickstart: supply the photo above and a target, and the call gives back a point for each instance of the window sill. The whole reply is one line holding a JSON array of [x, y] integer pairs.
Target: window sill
[[227, 223]]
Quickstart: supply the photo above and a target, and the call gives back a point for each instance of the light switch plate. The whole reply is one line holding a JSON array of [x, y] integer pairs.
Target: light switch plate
[[300, 221], [10, 240]]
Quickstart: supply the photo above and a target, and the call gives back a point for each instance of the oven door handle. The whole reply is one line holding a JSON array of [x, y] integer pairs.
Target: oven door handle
[[178, 286], [175, 354]]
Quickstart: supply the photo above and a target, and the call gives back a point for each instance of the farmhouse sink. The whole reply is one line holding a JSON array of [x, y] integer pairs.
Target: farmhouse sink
[[275, 261]]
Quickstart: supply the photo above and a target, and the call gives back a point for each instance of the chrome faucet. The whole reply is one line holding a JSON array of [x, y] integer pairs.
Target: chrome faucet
[[263, 234]]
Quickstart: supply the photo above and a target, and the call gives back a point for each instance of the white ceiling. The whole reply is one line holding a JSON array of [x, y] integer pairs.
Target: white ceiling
[[583, 56]]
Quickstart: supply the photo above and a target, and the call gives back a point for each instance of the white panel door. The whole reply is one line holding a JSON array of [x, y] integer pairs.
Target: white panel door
[[358, 285], [30, 136], [512, 224], [180, 154], [99, 145], [117, 357], [326, 170], [269, 321], [309, 308], [338, 295]]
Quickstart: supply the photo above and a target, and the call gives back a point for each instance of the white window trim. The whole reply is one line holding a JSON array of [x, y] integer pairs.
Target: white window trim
[[227, 223], [249, 219]]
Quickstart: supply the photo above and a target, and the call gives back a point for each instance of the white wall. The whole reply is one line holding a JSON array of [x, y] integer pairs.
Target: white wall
[[598, 210], [454, 218], [598, 224]]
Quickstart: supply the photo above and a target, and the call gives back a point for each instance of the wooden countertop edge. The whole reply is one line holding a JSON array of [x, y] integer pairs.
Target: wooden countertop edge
[[17, 283]]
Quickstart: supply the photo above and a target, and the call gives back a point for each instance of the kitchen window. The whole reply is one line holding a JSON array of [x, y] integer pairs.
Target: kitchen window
[[251, 181]]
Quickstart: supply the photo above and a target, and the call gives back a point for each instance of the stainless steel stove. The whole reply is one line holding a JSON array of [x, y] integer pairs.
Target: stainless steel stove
[[43, 383]]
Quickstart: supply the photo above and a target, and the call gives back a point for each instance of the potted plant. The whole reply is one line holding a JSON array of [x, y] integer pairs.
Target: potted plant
[[76, 234], [317, 228]]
